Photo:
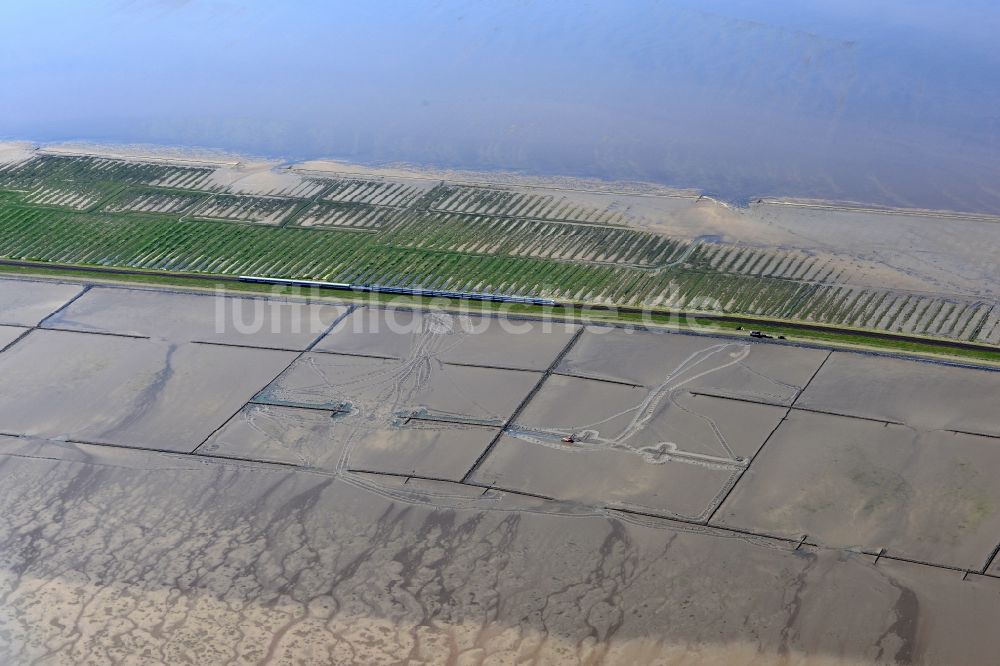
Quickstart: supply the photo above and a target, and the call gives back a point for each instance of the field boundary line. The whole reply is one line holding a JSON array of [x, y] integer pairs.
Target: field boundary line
[[524, 403], [788, 410], [294, 360], [669, 521]]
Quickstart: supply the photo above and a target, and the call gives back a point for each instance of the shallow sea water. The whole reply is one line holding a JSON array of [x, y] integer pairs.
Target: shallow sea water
[[890, 103]]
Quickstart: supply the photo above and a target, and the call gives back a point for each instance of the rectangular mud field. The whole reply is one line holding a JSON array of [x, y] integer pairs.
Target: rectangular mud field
[[853, 483], [346, 216], [606, 478], [389, 391], [252, 322], [9, 334], [759, 372], [127, 391], [24, 303], [287, 435], [450, 338], [432, 449], [660, 449], [927, 396], [336, 441], [381, 192], [658, 423]]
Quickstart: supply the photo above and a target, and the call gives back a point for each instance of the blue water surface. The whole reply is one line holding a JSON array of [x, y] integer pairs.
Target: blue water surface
[[887, 102]]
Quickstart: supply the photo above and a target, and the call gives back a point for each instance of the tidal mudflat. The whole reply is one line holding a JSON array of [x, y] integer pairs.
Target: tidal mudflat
[[452, 338], [854, 483], [767, 373], [648, 423], [337, 441], [9, 334], [243, 503], [252, 322], [434, 449], [607, 478], [24, 303], [270, 433], [126, 391], [926, 396], [384, 389], [187, 561], [661, 448]]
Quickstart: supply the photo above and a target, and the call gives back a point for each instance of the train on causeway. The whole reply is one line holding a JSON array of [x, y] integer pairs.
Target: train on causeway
[[405, 291]]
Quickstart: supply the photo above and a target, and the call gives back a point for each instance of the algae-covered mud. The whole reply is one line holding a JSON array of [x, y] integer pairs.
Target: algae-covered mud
[[369, 493], [911, 272]]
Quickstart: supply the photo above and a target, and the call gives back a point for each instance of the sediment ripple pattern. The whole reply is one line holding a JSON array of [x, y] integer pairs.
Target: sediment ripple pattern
[[118, 557]]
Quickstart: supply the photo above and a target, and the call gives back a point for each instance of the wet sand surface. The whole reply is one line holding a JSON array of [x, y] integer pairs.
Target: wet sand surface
[[387, 388], [421, 448], [10, 333], [928, 496], [607, 478], [764, 372], [302, 437], [315, 507], [126, 391], [221, 563], [254, 322], [925, 396], [24, 303], [491, 341], [928, 250]]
